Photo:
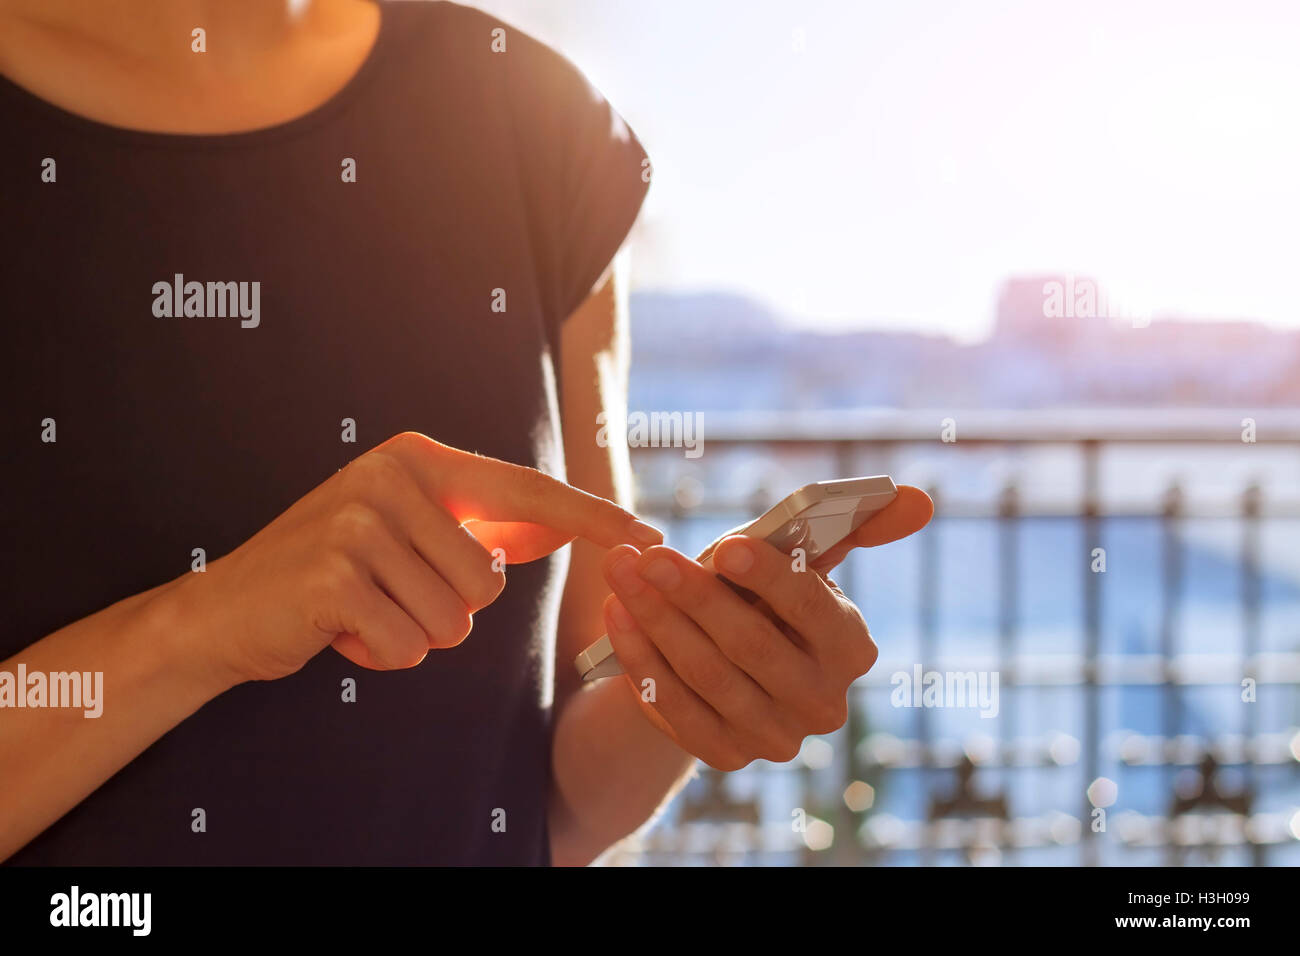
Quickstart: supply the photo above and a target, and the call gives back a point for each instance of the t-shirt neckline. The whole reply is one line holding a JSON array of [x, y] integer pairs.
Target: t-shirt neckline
[[204, 141]]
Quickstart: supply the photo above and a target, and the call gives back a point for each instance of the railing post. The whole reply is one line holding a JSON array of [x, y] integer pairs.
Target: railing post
[[1091, 452], [1008, 603], [1250, 628], [1170, 590], [926, 633]]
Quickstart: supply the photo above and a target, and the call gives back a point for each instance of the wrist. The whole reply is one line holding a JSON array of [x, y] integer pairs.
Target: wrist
[[181, 637], [641, 725], [612, 769]]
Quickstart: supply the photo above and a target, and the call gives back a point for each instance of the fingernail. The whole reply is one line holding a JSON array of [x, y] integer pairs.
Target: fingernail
[[735, 556], [619, 617], [624, 574], [662, 573], [645, 533]]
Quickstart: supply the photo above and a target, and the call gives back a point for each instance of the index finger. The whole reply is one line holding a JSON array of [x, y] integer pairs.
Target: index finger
[[473, 486]]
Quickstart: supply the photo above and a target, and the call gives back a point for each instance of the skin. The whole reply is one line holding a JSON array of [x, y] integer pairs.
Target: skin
[[390, 558]]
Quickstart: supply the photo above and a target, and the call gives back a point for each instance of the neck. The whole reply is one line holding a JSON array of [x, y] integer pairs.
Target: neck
[[162, 30], [137, 63]]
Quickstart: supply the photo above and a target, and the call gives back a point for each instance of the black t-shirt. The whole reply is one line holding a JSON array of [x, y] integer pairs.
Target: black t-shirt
[[475, 171]]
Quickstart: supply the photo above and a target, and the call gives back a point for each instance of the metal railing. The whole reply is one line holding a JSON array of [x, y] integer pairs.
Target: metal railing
[[1221, 794]]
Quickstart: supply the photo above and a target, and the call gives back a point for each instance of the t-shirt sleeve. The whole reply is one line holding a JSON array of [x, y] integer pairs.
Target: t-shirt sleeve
[[584, 172]]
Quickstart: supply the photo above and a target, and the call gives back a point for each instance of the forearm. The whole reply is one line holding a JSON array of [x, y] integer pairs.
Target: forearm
[[52, 758], [611, 770]]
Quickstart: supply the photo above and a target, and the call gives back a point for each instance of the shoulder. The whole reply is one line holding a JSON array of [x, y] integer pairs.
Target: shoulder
[[439, 35], [444, 23], [440, 15]]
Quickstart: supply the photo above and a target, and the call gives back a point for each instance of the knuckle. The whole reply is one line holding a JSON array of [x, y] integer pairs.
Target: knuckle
[[407, 439], [768, 742], [378, 659], [865, 652], [487, 588], [462, 625], [353, 524], [338, 577], [632, 654], [625, 646], [532, 482], [484, 586], [408, 644], [758, 646], [394, 654], [712, 677], [830, 715], [357, 475], [383, 653], [379, 469], [412, 447], [728, 760], [452, 631], [839, 713], [784, 750], [808, 602], [870, 653], [411, 655]]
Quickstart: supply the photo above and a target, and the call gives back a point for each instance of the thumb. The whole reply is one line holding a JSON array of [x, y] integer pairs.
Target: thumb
[[906, 514]]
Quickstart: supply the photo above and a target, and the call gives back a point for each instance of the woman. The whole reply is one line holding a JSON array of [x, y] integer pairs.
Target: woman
[[245, 241]]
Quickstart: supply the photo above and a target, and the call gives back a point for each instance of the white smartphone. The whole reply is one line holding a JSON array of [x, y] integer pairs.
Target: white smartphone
[[815, 518]]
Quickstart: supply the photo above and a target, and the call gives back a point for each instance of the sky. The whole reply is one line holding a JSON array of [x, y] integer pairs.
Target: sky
[[856, 164]]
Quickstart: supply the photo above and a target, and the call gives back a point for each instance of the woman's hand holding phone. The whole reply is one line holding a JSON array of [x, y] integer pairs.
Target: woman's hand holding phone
[[386, 559], [733, 681]]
